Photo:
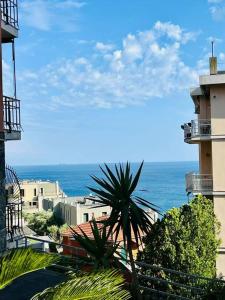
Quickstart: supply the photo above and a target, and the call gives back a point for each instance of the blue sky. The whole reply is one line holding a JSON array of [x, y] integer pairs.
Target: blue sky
[[108, 80]]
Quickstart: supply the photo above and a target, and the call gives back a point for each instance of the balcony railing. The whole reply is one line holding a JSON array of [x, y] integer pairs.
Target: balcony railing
[[9, 10], [197, 128], [12, 120], [199, 183]]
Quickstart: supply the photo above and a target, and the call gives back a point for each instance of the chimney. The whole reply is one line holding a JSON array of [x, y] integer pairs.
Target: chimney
[[213, 65]]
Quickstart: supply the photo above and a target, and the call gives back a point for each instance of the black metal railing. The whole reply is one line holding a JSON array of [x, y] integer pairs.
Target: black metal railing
[[163, 283], [12, 120], [9, 10]]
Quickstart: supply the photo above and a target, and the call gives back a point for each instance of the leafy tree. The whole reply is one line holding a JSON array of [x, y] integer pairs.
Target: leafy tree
[[40, 222], [185, 239], [127, 215], [104, 285], [101, 251]]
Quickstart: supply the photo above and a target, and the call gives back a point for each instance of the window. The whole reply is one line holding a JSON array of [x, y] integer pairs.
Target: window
[[85, 217], [42, 191], [104, 213], [22, 193], [34, 203], [35, 192]]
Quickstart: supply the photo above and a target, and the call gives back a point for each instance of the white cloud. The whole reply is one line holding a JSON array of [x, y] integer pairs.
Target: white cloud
[[215, 1], [104, 47], [50, 14], [217, 9], [147, 65], [70, 4]]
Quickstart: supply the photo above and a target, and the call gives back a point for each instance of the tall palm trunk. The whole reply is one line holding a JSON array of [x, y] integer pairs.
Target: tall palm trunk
[[135, 284]]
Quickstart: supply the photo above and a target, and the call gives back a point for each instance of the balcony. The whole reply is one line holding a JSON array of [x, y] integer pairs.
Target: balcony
[[9, 13], [199, 184], [197, 130], [12, 120]]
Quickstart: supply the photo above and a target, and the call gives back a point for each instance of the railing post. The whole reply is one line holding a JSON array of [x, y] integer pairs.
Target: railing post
[[26, 242]]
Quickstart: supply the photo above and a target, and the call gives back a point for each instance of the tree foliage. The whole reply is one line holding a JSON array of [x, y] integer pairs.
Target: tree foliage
[[41, 222], [185, 239]]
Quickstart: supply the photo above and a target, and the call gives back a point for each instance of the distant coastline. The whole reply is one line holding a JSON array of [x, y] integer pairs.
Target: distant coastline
[[164, 181]]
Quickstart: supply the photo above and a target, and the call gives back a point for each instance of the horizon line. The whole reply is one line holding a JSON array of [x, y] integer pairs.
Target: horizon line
[[100, 163]]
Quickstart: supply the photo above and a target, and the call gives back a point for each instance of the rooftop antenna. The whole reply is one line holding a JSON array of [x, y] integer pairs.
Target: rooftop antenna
[[212, 42], [213, 61]]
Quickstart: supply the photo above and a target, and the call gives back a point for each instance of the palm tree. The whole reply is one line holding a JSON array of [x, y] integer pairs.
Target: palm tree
[[22, 261], [98, 247], [128, 210], [104, 285]]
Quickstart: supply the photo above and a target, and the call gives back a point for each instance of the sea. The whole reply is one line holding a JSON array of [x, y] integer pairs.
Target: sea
[[161, 183]]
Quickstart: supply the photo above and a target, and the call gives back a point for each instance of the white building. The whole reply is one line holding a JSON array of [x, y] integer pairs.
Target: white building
[[76, 210], [79, 210]]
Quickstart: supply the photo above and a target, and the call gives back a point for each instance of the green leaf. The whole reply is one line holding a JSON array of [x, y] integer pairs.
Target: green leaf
[[103, 285], [22, 261]]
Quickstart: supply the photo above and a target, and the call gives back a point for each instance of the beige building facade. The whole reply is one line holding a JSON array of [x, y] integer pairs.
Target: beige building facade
[[33, 193], [79, 210], [76, 210], [208, 131]]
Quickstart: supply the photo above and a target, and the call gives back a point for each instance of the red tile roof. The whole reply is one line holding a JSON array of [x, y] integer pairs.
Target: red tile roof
[[86, 228]]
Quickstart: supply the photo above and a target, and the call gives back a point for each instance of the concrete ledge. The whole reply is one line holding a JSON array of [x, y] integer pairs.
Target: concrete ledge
[[8, 32], [13, 136], [212, 79]]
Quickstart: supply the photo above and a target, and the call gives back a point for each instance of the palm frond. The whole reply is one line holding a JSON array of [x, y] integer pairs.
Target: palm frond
[[97, 246], [96, 286], [22, 261], [128, 210]]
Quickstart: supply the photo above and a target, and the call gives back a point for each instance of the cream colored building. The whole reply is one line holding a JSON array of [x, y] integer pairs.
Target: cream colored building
[[208, 131], [79, 210], [76, 210], [33, 193]]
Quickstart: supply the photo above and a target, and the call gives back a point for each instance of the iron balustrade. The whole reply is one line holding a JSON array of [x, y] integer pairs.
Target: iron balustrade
[[152, 280], [199, 183], [181, 285], [9, 10], [12, 119], [197, 128]]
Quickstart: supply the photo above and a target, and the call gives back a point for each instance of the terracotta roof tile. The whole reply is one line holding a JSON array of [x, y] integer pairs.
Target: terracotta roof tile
[[86, 228]]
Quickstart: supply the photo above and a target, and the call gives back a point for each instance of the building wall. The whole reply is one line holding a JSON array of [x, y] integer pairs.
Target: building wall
[[67, 212], [219, 209], [71, 212], [92, 211], [205, 157], [218, 161], [34, 191], [220, 263], [205, 108], [217, 98]]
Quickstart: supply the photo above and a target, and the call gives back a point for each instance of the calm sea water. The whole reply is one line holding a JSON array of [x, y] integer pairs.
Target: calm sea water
[[164, 182]]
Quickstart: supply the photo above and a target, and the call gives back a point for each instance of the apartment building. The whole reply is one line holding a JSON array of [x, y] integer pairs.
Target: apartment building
[[208, 131], [34, 191], [76, 210], [10, 124]]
